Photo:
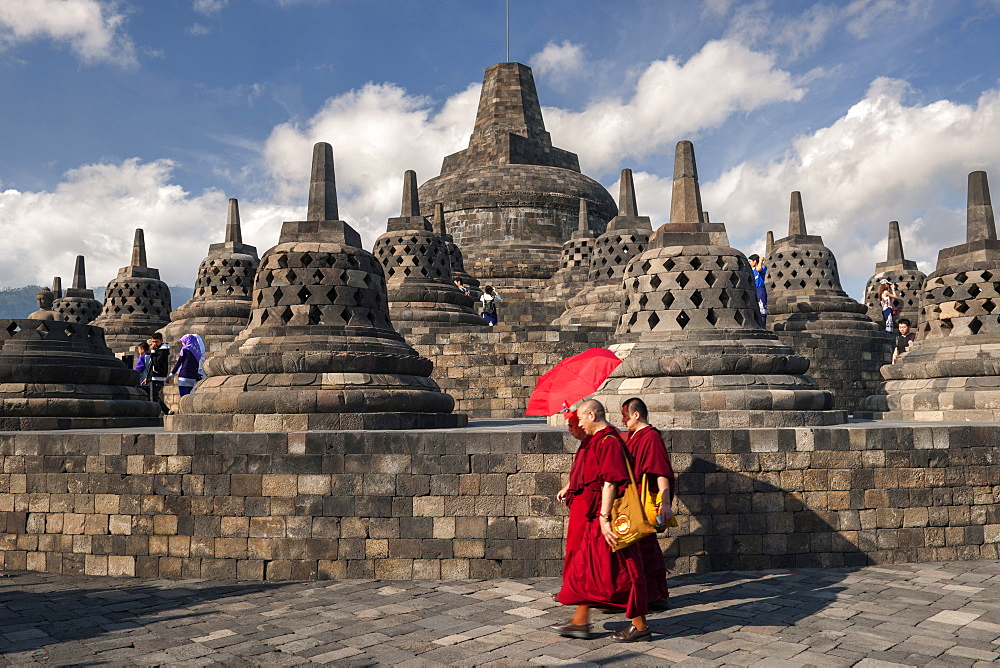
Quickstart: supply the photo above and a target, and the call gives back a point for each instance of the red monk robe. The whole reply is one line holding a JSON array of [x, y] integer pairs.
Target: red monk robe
[[652, 460], [593, 575]]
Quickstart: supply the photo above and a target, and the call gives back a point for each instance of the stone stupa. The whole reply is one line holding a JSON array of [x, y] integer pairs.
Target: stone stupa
[[78, 303], [455, 256], [903, 274], [417, 270], [598, 302], [60, 375], [320, 351], [57, 291], [136, 303], [690, 333], [511, 197], [951, 372], [576, 254], [219, 309], [809, 311]]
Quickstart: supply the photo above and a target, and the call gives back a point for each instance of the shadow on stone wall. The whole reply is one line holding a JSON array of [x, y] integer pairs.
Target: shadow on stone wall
[[35, 619]]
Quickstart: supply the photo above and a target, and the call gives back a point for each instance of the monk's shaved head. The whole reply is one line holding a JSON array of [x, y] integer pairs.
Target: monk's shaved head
[[637, 405], [592, 406]]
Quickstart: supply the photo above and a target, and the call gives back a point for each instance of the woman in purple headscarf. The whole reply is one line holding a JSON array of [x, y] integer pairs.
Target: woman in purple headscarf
[[187, 368]]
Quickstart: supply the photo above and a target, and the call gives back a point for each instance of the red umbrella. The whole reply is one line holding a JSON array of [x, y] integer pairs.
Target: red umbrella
[[571, 380]]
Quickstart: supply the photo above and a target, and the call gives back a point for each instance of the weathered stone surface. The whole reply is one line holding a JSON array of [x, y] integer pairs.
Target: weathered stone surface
[[512, 197], [78, 304], [809, 311], [342, 504], [598, 301], [219, 309], [951, 371], [61, 375], [136, 302], [320, 351], [903, 274], [576, 254], [417, 268], [691, 336]]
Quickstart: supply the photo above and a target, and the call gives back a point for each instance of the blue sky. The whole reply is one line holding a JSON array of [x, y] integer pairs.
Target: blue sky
[[119, 114]]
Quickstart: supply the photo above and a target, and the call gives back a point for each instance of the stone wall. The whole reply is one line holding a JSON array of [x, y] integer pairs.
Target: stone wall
[[479, 503]]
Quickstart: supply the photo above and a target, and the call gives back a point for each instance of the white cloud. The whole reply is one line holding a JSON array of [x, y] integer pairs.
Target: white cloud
[[377, 133], [92, 29], [210, 7], [558, 61], [671, 101], [94, 211], [198, 30], [883, 160]]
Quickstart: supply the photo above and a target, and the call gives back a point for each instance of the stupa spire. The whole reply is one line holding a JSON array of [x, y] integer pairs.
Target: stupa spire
[[894, 253], [769, 244], [584, 217], [411, 204], [685, 204], [57, 287], [980, 224], [139, 249], [439, 225], [322, 185], [796, 217], [80, 274], [626, 195], [234, 233]]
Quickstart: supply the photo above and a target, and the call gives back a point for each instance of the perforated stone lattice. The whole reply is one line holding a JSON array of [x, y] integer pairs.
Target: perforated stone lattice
[[964, 303], [802, 270], [908, 285], [225, 277], [77, 309], [421, 255], [320, 288], [612, 252], [139, 297], [577, 253], [679, 292]]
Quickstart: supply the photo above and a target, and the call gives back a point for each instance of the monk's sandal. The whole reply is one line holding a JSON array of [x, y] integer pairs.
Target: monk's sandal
[[571, 630], [631, 634]]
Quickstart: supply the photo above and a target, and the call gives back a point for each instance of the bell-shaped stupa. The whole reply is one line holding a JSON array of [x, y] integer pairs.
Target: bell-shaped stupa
[[511, 197], [219, 309], [598, 302], [904, 275], [690, 333], [809, 310], [136, 302], [320, 351], [455, 256], [417, 270], [78, 303], [61, 375], [951, 371], [576, 253]]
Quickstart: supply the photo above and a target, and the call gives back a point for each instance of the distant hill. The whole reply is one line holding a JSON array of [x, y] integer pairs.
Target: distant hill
[[19, 302]]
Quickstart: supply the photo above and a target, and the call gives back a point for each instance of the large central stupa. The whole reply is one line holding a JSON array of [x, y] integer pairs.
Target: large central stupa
[[512, 198]]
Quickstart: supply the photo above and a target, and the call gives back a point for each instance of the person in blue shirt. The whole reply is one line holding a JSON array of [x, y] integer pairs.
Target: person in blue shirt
[[759, 277], [142, 365]]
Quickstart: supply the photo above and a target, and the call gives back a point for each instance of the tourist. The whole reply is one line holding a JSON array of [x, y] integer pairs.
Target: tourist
[[759, 270], [887, 302], [489, 298], [593, 575], [142, 364], [159, 362], [653, 472], [905, 338], [187, 366], [461, 286]]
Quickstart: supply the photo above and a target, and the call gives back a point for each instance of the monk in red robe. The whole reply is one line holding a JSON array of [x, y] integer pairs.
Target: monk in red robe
[[652, 470], [593, 575]]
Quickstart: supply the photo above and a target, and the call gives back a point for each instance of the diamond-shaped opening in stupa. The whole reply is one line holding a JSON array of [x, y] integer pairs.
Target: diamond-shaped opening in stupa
[[695, 263], [696, 298], [682, 319], [975, 325], [974, 290], [653, 320], [682, 280], [655, 282], [711, 317], [710, 279]]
